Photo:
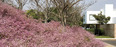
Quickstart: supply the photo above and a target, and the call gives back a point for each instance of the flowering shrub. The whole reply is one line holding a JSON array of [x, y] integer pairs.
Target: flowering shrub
[[16, 30]]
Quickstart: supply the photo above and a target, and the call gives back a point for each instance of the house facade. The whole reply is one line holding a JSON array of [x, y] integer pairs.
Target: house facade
[[110, 28]]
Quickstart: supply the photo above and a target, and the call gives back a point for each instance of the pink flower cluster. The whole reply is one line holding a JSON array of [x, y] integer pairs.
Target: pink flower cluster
[[16, 30]]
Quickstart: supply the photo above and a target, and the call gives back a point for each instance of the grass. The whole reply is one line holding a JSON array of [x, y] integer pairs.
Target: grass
[[103, 37]]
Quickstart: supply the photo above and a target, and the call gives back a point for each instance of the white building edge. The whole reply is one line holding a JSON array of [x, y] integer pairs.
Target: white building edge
[[108, 11]]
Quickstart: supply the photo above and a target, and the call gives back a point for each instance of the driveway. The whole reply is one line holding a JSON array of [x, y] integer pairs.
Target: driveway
[[112, 42]]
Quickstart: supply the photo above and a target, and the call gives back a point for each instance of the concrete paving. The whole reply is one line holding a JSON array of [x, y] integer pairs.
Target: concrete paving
[[111, 42], [109, 45]]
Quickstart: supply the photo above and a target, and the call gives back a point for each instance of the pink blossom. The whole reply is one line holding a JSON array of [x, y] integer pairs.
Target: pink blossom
[[16, 30]]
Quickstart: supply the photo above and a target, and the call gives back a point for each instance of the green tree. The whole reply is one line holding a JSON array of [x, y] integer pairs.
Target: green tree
[[35, 14], [101, 19]]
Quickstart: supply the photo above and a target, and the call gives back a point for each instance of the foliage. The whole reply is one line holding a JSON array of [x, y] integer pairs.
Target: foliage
[[92, 30], [35, 14], [39, 15], [32, 13], [101, 31], [101, 18], [16, 30], [71, 20]]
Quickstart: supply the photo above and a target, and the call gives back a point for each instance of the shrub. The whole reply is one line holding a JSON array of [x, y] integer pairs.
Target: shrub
[[92, 30], [101, 31], [18, 31]]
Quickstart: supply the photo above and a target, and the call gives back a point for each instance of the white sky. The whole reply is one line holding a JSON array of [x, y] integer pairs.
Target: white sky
[[100, 4]]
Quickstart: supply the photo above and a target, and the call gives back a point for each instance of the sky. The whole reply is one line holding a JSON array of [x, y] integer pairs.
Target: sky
[[100, 4]]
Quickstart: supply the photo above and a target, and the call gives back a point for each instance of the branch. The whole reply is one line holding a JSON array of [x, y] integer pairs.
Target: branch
[[74, 3]]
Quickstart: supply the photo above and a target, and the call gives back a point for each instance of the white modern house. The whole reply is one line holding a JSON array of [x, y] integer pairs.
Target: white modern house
[[108, 11], [110, 28]]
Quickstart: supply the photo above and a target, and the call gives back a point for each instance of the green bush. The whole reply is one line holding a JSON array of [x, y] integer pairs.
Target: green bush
[[92, 30], [102, 31]]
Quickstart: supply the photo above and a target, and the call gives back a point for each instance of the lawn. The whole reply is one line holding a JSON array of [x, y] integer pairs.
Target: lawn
[[103, 37]]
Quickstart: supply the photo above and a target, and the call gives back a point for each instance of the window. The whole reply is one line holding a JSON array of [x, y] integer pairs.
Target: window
[[91, 18]]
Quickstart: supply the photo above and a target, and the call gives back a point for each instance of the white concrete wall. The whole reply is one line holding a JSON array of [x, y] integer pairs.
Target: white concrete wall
[[88, 21], [108, 11]]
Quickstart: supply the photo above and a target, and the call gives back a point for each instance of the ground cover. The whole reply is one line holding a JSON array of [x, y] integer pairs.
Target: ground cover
[[16, 30]]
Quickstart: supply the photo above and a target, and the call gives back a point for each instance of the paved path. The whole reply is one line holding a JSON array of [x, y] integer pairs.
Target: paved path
[[109, 45], [112, 42]]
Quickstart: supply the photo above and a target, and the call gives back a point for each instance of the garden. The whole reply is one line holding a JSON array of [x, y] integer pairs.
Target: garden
[[25, 29]]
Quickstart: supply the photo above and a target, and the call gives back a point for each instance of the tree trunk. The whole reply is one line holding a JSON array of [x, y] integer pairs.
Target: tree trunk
[[46, 18], [97, 30]]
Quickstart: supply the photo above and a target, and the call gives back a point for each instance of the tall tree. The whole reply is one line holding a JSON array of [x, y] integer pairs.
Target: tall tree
[[42, 6], [69, 11], [66, 10], [102, 19]]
